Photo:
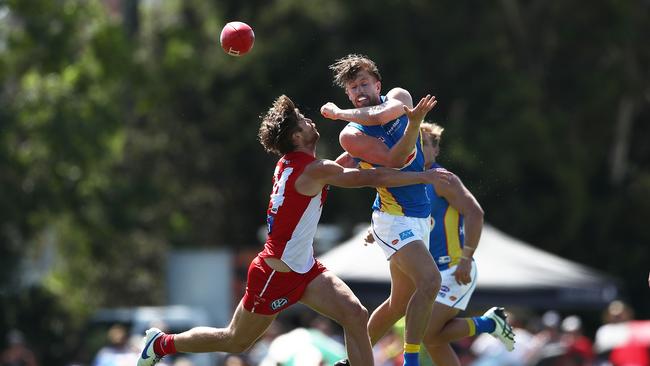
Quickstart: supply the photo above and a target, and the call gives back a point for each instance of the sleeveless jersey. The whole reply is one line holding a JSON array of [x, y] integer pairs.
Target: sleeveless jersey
[[447, 237], [292, 217], [410, 200]]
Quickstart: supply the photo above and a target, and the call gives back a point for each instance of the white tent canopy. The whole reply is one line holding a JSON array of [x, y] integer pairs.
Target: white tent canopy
[[505, 265]]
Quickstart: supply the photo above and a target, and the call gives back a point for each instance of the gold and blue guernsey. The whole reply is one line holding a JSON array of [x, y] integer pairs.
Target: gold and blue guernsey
[[446, 243], [447, 237], [411, 201]]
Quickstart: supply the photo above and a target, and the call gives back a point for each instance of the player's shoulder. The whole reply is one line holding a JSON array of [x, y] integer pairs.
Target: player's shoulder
[[398, 91], [400, 94], [321, 167]]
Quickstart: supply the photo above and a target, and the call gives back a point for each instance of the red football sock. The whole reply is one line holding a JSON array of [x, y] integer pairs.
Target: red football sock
[[164, 345]]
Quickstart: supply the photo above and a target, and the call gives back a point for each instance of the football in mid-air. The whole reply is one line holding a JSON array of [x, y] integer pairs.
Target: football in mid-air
[[237, 38]]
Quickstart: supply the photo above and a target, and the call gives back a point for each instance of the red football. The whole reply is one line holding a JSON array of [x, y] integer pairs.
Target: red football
[[237, 38]]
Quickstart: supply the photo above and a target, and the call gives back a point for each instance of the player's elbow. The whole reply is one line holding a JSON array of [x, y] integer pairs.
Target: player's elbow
[[401, 95], [394, 163], [476, 213]]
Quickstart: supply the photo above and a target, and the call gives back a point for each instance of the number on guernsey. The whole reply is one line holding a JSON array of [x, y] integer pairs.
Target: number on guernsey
[[277, 197]]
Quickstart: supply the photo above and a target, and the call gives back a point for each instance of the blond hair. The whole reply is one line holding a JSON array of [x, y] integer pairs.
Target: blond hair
[[346, 68], [432, 129]]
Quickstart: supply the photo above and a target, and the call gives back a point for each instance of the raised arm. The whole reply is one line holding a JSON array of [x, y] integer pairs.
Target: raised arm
[[374, 151], [405, 147], [322, 172], [379, 114]]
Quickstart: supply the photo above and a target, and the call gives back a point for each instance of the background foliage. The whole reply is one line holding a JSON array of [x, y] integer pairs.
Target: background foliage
[[125, 130]]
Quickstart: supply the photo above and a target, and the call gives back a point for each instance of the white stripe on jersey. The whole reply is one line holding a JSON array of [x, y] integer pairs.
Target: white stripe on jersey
[[298, 253]]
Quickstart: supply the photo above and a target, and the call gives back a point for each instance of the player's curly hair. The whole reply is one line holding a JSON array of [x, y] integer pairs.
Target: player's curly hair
[[345, 69], [278, 125]]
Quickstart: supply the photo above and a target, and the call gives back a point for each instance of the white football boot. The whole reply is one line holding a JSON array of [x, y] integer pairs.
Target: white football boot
[[502, 330], [148, 357]]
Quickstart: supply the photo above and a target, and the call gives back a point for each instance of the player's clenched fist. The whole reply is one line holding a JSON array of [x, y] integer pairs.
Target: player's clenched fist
[[330, 111]]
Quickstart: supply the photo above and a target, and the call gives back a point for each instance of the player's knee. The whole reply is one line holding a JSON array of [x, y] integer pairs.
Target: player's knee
[[398, 307], [429, 285], [237, 342], [432, 340], [239, 346], [356, 315], [361, 314]]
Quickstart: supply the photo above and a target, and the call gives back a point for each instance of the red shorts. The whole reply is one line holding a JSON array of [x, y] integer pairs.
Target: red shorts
[[269, 291]]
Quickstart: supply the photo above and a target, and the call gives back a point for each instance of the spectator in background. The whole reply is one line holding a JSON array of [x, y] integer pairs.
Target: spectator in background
[[388, 350], [261, 348], [579, 348], [618, 312], [547, 348], [118, 352], [327, 327], [303, 347], [17, 353], [235, 360], [620, 341], [183, 361]]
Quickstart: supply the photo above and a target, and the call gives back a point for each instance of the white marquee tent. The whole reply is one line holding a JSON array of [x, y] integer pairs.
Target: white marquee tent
[[509, 272]]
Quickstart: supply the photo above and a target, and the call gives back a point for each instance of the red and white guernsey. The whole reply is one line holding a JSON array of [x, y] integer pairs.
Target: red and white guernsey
[[292, 217]]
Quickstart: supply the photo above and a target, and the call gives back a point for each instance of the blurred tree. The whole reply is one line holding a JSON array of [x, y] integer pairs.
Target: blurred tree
[[62, 155]]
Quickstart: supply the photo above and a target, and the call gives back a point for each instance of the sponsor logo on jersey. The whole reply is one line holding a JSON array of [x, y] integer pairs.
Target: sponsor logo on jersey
[[452, 298], [276, 304], [442, 294], [444, 288], [395, 241], [406, 234], [393, 125], [444, 259]]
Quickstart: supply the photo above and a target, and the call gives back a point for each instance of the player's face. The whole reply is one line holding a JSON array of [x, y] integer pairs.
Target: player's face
[[430, 149], [364, 90], [309, 133]]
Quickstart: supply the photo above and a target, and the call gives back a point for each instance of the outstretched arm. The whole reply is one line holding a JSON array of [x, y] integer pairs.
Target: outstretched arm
[[374, 151], [462, 200], [322, 172], [379, 114]]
